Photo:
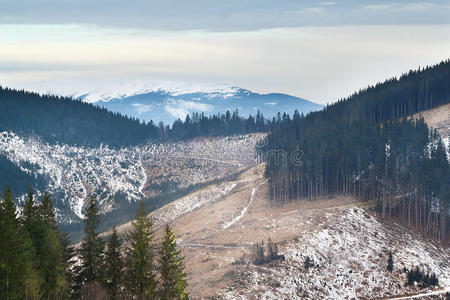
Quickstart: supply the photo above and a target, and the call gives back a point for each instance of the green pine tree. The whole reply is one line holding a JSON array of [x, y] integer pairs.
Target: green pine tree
[[140, 276], [113, 265], [46, 210], [173, 278], [52, 267], [29, 213], [88, 273], [17, 277], [68, 253]]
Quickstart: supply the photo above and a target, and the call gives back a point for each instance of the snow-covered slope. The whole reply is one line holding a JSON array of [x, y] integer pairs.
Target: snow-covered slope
[[218, 226], [116, 176], [349, 250], [168, 101]]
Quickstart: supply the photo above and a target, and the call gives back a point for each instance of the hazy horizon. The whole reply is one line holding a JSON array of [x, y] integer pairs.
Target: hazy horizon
[[319, 51]]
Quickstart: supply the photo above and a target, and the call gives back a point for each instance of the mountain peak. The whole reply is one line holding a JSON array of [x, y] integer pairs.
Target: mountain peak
[[170, 100]]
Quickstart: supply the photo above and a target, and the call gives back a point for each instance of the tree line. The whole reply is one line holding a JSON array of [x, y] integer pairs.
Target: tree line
[[57, 119], [366, 146], [37, 261], [54, 119]]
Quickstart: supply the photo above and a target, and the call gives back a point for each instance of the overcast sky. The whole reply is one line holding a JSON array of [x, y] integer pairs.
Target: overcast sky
[[320, 51]]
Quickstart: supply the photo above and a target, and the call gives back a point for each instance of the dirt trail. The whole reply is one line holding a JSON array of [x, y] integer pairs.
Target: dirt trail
[[418, 296], [216, 236], [243, 211]]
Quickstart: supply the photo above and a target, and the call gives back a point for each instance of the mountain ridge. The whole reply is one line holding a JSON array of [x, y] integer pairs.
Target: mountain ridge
[[169, 101]]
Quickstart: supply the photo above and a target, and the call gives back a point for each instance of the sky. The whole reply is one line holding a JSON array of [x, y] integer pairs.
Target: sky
[[321, 51]]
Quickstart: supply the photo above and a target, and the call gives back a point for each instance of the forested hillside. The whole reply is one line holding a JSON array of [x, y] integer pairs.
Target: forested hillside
[[366, 146], [64, 120], [13, 176]]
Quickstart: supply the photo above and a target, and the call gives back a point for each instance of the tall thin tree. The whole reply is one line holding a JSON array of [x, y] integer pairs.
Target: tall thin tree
[[171, 262]]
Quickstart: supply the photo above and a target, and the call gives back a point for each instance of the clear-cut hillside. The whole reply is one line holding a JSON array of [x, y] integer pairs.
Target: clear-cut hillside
[[218, 226], [438, 118], [120, 176]]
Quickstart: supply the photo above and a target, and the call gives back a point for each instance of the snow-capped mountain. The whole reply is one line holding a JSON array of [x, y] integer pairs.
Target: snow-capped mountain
[[168, 101]]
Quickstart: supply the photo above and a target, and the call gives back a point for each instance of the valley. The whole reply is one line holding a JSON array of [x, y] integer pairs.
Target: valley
[[227, 150], [347, 242]]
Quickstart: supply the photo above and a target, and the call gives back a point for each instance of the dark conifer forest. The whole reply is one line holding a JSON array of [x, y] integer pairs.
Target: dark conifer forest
[[11, 175], [65, 120], [367, 146], [37, 260]]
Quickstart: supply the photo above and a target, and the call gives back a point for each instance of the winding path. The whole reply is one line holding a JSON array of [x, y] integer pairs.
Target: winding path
[[243, 210]]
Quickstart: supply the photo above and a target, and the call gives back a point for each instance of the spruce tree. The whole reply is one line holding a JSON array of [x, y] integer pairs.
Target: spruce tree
[[390, 263], [113, 265], [29, 213], [140, 277], [50, 251], [17, 279], [46, 210], [171, 262], [68, 253], [91, 250]]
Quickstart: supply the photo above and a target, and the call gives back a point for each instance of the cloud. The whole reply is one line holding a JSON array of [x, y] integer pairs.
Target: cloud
[[330, 3], [214, 15], [143, 108], [317, 63], [180, 108]]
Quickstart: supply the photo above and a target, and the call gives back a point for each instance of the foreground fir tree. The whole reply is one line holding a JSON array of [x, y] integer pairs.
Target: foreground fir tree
[[140, 275], [49, 252], [17, 278], [113, 265], [173, 278], [29, 213], [91, 251]]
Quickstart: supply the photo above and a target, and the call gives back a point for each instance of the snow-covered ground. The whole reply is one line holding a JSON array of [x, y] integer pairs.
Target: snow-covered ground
[[349, 251], [189, 203], [127, 174]]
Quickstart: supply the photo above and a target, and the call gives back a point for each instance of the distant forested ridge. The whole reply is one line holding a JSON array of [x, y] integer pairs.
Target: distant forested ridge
[[12, 175], [64, 120], [366, 146]]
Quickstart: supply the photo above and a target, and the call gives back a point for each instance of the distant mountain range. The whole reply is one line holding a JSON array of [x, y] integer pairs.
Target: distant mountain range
[[168, 102]]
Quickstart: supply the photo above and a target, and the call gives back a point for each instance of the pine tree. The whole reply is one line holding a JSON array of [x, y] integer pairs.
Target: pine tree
[[171, 261], [272, 250], [140, 277], [29, 213], [259, 255], [113, 265], [46, 210], [16, 268], [390, 263], [91, 250], [68, 253], [49, 252]]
